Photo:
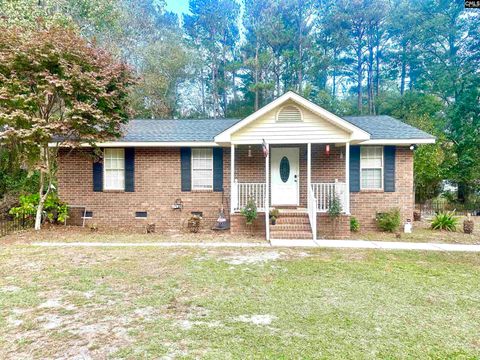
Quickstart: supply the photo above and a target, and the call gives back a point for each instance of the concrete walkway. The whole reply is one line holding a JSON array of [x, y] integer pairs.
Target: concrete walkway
[[339, 244], [382, 245]]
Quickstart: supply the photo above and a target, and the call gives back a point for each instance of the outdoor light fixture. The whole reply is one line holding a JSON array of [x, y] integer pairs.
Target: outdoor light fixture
[[341, 155], [249, 151], [327, 149], [413, 147]]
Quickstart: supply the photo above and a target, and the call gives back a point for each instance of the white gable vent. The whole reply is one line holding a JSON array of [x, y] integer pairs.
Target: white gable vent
[[289, 113]]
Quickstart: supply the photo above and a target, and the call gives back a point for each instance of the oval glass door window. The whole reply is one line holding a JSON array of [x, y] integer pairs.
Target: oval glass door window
[[284, 169]]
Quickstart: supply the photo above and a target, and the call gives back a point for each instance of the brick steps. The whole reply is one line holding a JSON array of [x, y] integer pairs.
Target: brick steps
[[291, 224], [291, 227], [292, 220]]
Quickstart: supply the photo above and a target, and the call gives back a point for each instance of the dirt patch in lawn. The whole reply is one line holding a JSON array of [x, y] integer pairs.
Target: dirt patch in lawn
[[61, 233]]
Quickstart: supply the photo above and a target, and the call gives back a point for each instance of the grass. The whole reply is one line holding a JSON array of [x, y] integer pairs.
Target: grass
[[422, 232], [242, 303]]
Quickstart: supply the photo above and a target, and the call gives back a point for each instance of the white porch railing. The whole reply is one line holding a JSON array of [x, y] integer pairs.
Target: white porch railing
[[312, 211], [324, 193], [246, 191]]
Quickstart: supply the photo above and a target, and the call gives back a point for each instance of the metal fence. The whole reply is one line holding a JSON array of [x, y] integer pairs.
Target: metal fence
[[432, 207], [8, 226]]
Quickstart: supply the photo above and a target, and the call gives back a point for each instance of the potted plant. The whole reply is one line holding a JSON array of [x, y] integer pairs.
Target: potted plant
[[274, 213]]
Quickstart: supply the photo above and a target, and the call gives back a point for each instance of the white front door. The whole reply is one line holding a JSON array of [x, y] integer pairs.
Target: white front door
[[284, 170]]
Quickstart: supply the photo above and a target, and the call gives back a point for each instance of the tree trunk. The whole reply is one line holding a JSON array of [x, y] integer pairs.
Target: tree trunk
[[202, 80], [38, 216], [377, 72], [224, 90], [403, 71], [234, 85], [370, 80], [256, 77], [359, 79], [300, 65], [334, 75], [45, 156]]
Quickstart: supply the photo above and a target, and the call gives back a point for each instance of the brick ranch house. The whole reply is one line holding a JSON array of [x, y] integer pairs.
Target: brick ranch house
[[291, 154]]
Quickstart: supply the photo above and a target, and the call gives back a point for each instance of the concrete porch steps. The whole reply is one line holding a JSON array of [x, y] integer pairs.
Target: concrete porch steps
[[291, 224]]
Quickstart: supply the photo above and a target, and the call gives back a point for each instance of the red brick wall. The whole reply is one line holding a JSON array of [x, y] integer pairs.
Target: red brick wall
[[238, 225], [365, 204], [157, 185], [328, 228]]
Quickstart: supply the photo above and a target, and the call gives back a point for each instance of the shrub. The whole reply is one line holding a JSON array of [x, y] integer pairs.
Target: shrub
[[389, 221], [54, 210], [354, 224], [445, 221], [334, 207], [250, 211]]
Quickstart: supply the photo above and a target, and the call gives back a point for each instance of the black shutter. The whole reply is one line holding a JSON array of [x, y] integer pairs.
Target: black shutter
[[354, 168], [186, 168], [98, 174], [129, 169], [217, 169], [389, 168]]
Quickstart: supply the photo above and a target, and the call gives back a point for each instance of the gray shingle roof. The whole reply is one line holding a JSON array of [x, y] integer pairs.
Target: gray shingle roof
[[175, 130], [188, 130], [386, 127]]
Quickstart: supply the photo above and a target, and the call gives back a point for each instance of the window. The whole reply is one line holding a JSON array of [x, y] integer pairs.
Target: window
[[202, 169], [140, 214], [114, 169], [87, 215], [371, 167]]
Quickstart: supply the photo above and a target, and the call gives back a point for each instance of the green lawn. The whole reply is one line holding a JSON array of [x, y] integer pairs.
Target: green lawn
[[238, 303]]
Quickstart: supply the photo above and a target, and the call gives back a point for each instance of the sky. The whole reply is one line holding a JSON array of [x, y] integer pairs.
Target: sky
[[177, 6]]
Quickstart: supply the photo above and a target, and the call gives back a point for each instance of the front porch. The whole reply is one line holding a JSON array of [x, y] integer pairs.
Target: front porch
[[299, 178]]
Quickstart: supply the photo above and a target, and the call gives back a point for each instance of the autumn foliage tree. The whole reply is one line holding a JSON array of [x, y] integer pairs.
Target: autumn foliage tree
[[57, 89]]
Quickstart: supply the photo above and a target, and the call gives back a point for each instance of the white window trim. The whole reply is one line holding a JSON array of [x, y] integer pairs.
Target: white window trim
[[289, 105], [381, 170], [192, 171], [105, 171]]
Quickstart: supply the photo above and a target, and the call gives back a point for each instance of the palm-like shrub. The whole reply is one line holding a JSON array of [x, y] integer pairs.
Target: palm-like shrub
[[445, 221]]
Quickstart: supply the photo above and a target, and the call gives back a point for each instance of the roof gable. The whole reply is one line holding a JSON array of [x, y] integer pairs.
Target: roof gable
[[355, 133]]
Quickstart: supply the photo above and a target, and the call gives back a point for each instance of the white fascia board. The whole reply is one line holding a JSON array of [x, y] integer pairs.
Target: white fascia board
[[398, 141], [289, 141], [356, 132], [148, 144]]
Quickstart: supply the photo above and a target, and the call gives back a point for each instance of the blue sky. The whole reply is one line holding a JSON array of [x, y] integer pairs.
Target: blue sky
[[178, 6]]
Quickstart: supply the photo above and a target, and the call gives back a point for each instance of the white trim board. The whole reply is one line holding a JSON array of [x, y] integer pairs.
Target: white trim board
[[125, 144], [398, 141]]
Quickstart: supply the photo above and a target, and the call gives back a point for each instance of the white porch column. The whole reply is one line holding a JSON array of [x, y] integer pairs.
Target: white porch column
[[233, 187], [347, 178], [267, 193], [309, 167]]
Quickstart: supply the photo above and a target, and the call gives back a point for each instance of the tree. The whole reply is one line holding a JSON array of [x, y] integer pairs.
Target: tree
[[212, 25], [55, 87]]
